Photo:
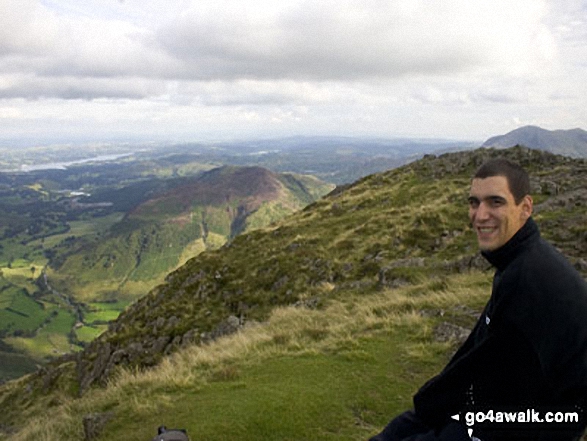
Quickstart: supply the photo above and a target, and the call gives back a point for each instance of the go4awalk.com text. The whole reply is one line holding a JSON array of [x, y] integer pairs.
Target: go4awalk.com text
[[524, 419]]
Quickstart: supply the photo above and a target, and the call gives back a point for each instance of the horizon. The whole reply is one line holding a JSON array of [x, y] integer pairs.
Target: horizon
[[128, 71]]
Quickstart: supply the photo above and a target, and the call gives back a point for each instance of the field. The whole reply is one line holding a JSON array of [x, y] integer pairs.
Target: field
[[96, 319]]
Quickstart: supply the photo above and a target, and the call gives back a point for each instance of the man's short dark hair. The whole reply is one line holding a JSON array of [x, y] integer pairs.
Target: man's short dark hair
[[518, 180]]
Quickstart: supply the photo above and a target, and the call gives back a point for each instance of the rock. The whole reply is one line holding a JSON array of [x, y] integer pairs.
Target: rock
[[446, 331], [159, 345], [467, 263], [189, 337], [311, 303], [581, 265], [227, 327], [389, 277], [94, 424]]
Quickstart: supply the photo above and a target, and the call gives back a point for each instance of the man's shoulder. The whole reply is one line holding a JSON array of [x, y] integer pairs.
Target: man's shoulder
[[544, 277], [543, 259]]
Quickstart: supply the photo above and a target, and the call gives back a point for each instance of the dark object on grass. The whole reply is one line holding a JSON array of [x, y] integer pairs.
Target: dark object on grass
[[165, 434]]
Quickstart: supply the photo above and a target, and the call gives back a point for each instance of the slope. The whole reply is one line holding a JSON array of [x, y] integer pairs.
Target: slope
[[386, 230], [563, 142], [396, 242], [162, 233], [93, 275]]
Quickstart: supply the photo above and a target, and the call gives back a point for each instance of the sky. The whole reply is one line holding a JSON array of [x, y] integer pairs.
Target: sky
[[193, 70]]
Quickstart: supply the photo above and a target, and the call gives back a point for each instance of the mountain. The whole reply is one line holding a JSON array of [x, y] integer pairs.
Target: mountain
[[563, 142], [163, 232], [342, 309]]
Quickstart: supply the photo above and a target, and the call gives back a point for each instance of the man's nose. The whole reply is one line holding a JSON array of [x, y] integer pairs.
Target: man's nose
[[482, 212]]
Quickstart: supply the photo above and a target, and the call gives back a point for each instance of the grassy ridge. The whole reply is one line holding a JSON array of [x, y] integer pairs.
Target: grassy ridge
[[338, 373], [390, 229]]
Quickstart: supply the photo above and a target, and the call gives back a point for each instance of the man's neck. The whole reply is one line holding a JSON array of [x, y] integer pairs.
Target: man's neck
[[502, 256]]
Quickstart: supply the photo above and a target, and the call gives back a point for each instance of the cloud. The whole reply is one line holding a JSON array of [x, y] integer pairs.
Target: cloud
[[26, 28], [231, 40], [72, 87], [344, 40], [323, 65]]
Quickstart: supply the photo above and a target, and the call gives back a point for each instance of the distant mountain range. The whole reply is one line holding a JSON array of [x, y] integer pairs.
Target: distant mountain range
[[563, 142]]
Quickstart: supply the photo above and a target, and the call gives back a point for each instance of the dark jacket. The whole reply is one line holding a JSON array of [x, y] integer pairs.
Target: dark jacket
[[527, 350]]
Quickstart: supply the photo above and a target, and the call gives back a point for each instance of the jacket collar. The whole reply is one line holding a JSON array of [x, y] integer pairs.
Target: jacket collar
[[501, 257]]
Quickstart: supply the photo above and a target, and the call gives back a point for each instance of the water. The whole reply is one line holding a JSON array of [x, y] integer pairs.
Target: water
[[64, 165]]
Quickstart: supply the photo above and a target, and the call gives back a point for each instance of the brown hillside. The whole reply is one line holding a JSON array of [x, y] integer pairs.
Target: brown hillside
[[224, 185]]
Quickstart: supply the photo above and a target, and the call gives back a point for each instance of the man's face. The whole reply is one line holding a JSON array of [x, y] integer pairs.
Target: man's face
[[493, 212]]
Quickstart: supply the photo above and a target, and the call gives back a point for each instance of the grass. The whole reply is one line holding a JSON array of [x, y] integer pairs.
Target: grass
[[15, 365], [275, 380], [96, 318], [90, 227], [19, 311], [88, 333], [50, 340], [104, 312], [337, 373], [22, 275]]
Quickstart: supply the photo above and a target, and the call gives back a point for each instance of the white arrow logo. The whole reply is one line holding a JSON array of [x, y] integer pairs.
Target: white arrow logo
[[457, 417]]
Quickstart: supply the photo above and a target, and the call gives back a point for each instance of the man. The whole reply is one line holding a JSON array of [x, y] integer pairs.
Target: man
[[527, 355]]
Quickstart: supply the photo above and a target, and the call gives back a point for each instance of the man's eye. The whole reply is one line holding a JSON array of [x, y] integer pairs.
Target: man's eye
[[496, 202], [473, 203]]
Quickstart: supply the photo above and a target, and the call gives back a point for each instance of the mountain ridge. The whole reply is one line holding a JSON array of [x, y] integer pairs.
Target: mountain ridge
[[571, 142], [196, 214], [115, 244]]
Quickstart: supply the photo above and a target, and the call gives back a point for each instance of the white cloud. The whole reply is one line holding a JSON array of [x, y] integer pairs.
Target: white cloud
[[382, 66], [339, 40], [26, 28]]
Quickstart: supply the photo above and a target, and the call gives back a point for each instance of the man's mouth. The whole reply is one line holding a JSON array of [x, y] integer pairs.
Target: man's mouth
[[486, 230]]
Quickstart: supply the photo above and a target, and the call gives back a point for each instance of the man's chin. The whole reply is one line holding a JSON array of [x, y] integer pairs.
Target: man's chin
[[484, 246]]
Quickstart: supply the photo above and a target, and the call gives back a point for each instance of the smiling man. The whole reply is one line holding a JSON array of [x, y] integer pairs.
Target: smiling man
[[522, 372]]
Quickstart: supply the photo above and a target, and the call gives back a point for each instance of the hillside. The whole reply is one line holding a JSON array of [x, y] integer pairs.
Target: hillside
[[99, 262], [374, 283], [161, 233], [563, 142]]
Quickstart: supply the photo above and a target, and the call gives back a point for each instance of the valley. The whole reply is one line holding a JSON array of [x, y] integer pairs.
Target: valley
[[79, 243], [84, 232]]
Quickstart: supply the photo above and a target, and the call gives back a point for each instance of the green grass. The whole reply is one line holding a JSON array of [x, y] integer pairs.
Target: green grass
[[14, 365], [347, 395], [88, 333], [104, 312], [90, 227], [19, 311], [50, 340], [338, 373], [408, 226]]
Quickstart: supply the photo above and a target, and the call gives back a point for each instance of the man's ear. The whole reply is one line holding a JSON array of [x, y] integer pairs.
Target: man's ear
[[527, 207]]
